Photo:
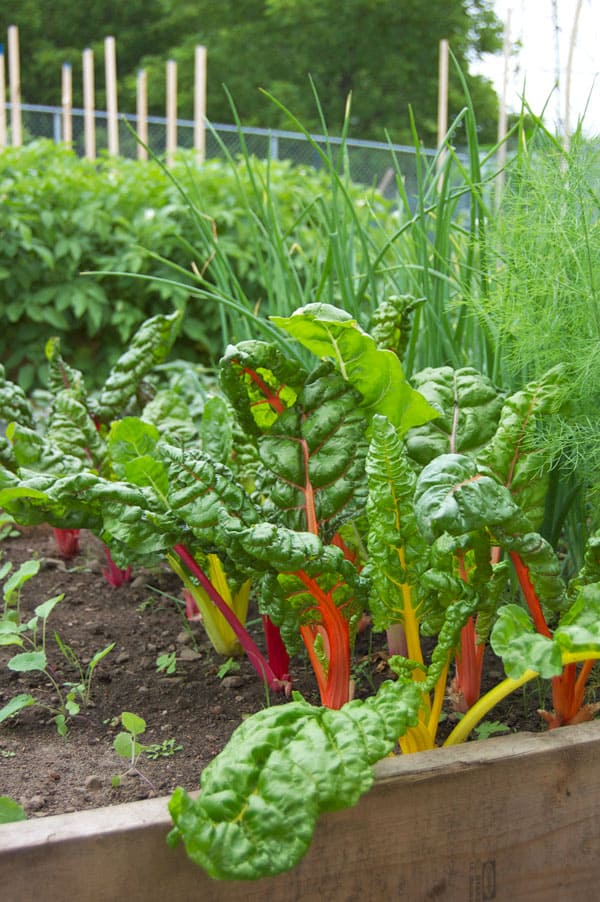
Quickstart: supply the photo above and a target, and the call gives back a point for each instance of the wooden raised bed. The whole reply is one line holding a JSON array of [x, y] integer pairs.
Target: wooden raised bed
[[514, 818]]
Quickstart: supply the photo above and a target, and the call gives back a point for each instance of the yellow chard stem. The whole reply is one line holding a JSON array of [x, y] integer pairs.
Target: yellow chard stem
[[461, 731]]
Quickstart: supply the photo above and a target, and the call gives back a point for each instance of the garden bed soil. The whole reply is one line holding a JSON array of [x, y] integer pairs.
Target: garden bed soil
[[197, 707]]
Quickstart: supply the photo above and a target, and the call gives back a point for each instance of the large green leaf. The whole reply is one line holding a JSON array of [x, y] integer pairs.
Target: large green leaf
[[260, 382], [398, 553], [468, 406], [282, 768], [515, 639], [455, 495], [516, 453], [376, 374], [148, 347], [14, 404]]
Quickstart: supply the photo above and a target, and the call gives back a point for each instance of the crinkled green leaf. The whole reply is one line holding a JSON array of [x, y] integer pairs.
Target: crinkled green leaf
[[468, 406], [515, 640], [391, 322], [376, 374], [579, 628], [72, 430], [216, 429], [130, 438], [14, 404], [148, 347], [516, 454], [171, 415], [61, 376], [455, 495], [313, 457], [282, 768], [398, 553], [260, 383]]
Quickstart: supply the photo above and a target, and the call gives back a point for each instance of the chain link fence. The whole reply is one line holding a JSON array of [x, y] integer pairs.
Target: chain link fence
[[369, 162]]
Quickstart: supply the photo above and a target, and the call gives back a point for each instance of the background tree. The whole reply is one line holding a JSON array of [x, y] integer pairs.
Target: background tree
[[384, 51]]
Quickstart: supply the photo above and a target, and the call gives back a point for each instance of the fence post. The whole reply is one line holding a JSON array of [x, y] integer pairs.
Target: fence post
[[3, 136], [14, 78], [89, 118], [67, 104], [171, 111], [110, 65], [142, 113], [200, 104]]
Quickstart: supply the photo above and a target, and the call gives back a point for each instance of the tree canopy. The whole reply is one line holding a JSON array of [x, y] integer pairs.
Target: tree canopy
[[383, 51]]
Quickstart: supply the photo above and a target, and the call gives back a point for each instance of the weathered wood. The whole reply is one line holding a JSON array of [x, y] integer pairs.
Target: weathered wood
[[515, 818], [112, 115], [14, 86], [89, 121]]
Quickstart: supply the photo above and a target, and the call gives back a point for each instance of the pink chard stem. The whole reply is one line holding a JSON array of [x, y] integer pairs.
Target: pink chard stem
[[253, 653]]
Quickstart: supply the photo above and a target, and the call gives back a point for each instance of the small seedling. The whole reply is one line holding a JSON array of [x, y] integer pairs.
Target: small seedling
[[167, 663], [490, 728], [126, 745], [227, 667], [7, 527], [31, 636], [165, 749]]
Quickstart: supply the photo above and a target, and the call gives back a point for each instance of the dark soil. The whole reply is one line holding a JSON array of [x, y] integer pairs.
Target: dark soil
[[196, 707]]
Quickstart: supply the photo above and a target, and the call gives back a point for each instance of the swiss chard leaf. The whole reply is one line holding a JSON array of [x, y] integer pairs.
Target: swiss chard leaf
[[468, 406], [376, 374], [282, 768], [148, 347], [515, 453]]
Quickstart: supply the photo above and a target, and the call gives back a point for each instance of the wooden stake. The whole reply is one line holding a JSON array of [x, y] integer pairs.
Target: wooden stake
[[110, 64], [89, 119], [67, 104], [442, 120], [142, 113], [3, 134], [14, 78], [200, 104], [171, 111]]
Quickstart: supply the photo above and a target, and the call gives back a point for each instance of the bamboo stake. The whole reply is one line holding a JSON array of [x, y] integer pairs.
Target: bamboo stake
[[142, 113], [67, 104], [3, 134], [200, 103], [171, 111], [442, 119], [110, 64], [14, 78], [89, 119]]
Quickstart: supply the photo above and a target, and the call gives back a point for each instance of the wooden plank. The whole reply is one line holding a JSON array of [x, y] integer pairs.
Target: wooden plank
[[514, 818]]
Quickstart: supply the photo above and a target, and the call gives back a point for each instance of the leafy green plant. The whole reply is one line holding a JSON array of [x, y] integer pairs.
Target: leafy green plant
[[127, 745], [167, 663], [31, 636]]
